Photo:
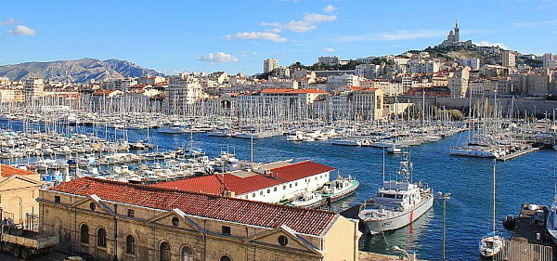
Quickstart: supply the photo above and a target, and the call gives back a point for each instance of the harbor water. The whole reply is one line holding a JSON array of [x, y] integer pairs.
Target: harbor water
[[529, 178]]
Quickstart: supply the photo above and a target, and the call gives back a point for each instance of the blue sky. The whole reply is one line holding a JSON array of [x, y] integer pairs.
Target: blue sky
[[236, 36]]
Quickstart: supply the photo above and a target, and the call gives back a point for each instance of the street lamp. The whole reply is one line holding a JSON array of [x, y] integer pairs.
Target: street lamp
[[444, 197], [410, 257]]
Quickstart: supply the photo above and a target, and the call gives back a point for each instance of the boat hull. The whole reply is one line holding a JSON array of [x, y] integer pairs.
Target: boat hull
[[379, 225]]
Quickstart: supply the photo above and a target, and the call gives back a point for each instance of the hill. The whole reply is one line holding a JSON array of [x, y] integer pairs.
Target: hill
[[76, 71]]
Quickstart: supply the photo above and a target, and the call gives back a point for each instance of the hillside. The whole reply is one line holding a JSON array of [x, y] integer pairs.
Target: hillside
[[77, 71]]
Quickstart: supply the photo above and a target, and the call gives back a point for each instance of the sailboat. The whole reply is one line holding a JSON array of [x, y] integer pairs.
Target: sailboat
[[552, 217], [492, 243]]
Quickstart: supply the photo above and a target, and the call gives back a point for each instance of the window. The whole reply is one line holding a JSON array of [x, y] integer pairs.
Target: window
[[225, 258], [101, 237], [268, 191], [284, 187], [92, 206], [226, 230], [130, 244], [165, 252], [175, 221], [187, 254], [84, 234], [131, 213], [283, 240], [275, 189], [261, 193], [253, 195], [57, 199]]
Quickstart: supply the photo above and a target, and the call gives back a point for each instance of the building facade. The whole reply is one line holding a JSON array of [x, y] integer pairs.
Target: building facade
[[18, 190], [269, 65], [111, 219]]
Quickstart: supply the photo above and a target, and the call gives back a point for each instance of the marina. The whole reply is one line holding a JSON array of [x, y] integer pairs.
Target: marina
[[458, 175]]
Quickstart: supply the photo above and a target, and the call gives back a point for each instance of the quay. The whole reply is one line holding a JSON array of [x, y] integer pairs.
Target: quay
[[517, 154], [529, 240]]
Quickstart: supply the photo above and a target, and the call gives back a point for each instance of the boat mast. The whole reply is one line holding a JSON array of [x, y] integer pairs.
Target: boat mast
[[494, 201]]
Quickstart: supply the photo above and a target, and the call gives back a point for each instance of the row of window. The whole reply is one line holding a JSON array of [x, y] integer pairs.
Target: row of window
[[284, 186], [164, 250]]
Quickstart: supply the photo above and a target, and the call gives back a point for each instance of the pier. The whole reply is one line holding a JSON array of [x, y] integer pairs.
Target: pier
[[529, 241], [517, 154]]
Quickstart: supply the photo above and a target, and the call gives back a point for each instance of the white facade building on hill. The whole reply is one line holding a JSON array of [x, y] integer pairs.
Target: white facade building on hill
[[184, 89], [269, 65]]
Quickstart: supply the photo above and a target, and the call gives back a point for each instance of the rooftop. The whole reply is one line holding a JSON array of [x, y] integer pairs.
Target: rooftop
[[8, 171], [302, 220], [242, 183]]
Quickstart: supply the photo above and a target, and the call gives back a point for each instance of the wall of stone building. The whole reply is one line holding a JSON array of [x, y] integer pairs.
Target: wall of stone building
[[18, 198], [65, 220], [338, 246]]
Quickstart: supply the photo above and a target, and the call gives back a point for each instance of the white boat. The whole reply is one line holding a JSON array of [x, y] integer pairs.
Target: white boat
[[398, 203], [174, 128], [347, 142], [339, 188], [308, 199], [552, 221], [473, 151], [492, 243], [555, 147]]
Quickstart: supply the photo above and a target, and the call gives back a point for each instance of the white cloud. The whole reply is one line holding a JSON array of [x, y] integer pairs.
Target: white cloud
[[531, 24], [9, 21], [329, 50], [329, 9], [308, 23], [21, 30], [257, 36], [246, 53], [397, 35], [218, 57], [487, 43]]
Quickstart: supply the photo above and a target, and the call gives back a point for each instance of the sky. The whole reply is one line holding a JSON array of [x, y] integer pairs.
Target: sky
[[173, 36]]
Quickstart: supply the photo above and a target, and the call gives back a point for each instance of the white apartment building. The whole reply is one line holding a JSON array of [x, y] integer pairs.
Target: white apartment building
[[508, 59], [33, 87], [150, 80], [423, 66], [473, 63], [329, 60], [337, 81], [358, 103], [369, 71], [458, 84], [184, 89], [389, 88], [549, 61], [269, 65]]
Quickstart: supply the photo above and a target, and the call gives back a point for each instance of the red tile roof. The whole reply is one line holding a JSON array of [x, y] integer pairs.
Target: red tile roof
[[103, 92], [302, 220], [8, 171], [240, 185], [293, 91]]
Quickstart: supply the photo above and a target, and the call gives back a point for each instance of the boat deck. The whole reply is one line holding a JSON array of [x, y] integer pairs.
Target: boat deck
[[517, 154], [524, 243]]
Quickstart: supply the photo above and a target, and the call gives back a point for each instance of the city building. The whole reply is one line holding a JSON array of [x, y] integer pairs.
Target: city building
[[33, 87], [182, 90], [548, 61], [473, 63], [272, 183], [329, 60], [269, 65], [458, 84], [11, 95], [123, 221], [336, 81], [508, 59], [18, 192]]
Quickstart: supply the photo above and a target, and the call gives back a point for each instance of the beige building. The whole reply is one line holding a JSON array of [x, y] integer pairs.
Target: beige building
[[11, 95], [508, 59], [18, 192], [134, 222]]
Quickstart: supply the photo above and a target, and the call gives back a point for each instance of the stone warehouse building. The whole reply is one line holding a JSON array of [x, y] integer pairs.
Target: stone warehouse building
[[18, 190], [134, 222]]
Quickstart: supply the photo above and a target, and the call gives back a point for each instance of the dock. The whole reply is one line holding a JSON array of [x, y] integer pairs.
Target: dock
[[529, 241], [517, 154]]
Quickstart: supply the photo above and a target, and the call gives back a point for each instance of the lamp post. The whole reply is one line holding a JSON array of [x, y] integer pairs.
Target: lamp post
[[444, 197], [410, 257]]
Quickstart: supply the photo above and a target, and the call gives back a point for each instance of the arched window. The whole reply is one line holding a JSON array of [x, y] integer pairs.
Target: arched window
[[165, 252], [187, 254], [225, 258], [101, 237], [130, 244], [84, 234]]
